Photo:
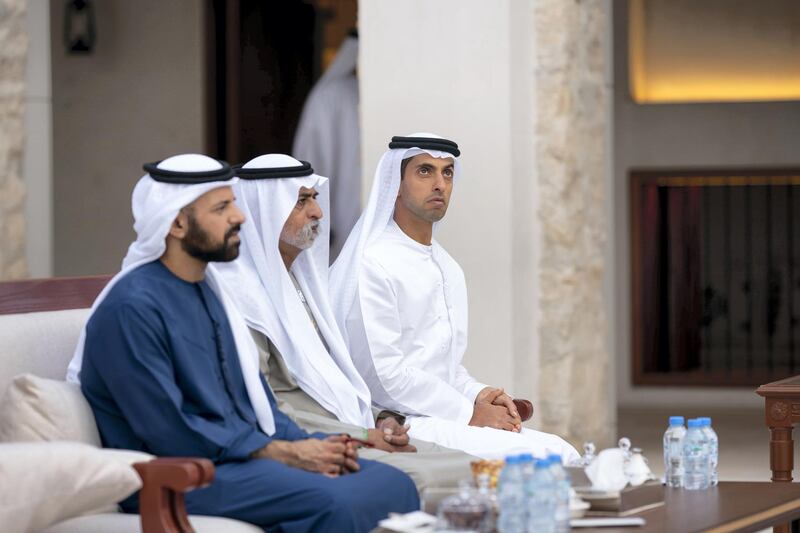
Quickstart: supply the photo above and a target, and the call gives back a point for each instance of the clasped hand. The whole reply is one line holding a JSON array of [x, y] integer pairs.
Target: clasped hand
[[494, 408], [333, 456], [390, 436]]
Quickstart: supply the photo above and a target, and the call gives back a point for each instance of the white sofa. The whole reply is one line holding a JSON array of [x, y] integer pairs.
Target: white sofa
[[41, 343]]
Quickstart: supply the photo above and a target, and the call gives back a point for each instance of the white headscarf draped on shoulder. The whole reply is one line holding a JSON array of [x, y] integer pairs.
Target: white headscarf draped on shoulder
[[378, 212], [155, 206], [266, 193]]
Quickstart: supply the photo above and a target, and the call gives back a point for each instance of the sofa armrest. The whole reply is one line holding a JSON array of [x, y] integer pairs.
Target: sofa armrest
[[161, 504], [525, 409]]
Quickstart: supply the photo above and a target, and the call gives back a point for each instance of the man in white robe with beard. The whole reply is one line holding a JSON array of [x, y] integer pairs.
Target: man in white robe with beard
[[280, 285], [402, 303]]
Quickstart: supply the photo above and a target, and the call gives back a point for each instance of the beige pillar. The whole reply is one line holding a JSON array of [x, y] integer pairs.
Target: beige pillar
[[573, 109], [13, 47]]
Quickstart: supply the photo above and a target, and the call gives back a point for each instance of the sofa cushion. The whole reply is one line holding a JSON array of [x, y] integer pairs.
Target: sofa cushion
[[47, 482], [39, 343], [129, 523], [39, 409]]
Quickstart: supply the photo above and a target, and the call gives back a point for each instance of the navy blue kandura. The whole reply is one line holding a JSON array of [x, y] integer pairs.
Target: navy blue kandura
[[161, 372]]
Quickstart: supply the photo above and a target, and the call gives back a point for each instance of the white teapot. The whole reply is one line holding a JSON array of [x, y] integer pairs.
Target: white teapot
[[615, 468]]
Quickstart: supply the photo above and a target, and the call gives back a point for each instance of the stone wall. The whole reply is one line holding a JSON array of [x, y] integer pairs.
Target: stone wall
[[13, 47], [572, 104]]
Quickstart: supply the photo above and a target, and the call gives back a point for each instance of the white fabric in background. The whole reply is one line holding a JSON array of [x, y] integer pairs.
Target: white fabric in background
[[403, 308], [265, 295], [155, 206], [329, 136]]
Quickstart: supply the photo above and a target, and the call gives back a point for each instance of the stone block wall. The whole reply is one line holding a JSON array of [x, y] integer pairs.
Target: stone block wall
[[13, 47], [571, 153]]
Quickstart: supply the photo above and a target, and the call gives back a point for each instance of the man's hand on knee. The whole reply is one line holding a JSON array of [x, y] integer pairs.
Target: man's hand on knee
[[493, 416], [508, 402], [331, 457], [486, 395], [498, 397], [390, 436]]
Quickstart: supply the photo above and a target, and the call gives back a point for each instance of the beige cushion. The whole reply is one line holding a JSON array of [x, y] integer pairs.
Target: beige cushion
[[129, 523], [37, 409], [46, 482]]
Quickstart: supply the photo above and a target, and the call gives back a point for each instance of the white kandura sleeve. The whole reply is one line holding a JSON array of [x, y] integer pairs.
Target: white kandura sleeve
[[469, 386], [406, 389]]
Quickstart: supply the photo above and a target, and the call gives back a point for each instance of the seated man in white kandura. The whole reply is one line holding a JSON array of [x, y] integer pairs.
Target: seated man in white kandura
[[280, 285], [402, 303]]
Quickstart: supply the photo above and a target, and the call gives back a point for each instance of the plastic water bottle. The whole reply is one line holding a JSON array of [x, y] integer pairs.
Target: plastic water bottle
[[561, 493], [541, 499], [511, 497], [695, 457], [713, 450], [673, 452], [528, 466]]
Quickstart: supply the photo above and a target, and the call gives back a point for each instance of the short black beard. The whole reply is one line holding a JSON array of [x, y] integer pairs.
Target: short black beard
[[197, 243]]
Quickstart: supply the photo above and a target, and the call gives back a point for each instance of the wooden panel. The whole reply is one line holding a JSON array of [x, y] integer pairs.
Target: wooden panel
[[51, 294]]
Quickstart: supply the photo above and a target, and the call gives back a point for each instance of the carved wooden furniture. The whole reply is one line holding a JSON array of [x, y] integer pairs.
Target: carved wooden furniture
[[782, 411], [164, 480]]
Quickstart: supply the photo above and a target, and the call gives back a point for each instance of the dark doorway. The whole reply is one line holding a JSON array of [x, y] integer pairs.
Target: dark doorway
[[262, 59]]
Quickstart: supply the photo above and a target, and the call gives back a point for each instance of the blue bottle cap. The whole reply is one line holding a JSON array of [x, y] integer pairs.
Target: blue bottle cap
[[542, 463], [695, 423], [676, 421], [554, 458], [706, 421], [512, 459], [525, 457]]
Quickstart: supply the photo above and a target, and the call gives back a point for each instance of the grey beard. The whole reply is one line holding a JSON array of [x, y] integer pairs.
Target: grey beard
[[303, 239]]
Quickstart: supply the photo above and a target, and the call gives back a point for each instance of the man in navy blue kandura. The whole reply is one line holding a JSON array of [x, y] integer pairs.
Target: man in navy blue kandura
[[169, 368]]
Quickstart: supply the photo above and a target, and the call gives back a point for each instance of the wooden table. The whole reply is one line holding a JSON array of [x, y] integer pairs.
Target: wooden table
[[731, 506], [782, 411]]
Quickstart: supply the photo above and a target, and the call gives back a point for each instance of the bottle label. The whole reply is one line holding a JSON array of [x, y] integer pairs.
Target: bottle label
[[675, 449]]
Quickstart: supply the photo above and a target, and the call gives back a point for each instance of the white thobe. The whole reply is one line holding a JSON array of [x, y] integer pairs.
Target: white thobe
[[408, 335]]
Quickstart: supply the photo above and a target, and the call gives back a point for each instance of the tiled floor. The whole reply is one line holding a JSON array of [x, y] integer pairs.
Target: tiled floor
[[743, 446]]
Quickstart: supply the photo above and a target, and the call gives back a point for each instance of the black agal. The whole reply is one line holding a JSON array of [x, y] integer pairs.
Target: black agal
[[188, 178], [430, 143], [273, 172]]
